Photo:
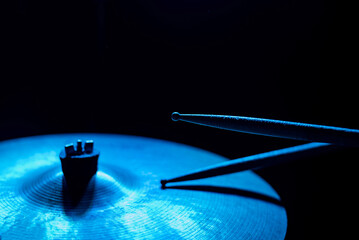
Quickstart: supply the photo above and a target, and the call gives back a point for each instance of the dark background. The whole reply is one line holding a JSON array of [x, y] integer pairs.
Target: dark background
[[123, 66]]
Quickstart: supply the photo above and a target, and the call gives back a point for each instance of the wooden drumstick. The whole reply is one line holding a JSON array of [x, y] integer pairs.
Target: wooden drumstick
[[276, 128], [324, 137], [255, 161]]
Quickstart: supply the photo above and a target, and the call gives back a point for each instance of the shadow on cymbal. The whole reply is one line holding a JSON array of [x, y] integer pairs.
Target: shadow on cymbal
[[227, 190], [78, 200]]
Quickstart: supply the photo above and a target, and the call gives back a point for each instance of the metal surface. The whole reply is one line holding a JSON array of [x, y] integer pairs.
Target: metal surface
[[125, 200]]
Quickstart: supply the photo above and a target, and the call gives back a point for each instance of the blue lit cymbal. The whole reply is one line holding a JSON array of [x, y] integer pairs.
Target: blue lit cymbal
[[124, 200]]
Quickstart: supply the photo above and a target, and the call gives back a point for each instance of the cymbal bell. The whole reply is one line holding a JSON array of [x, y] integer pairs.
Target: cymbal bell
[[124, 199]]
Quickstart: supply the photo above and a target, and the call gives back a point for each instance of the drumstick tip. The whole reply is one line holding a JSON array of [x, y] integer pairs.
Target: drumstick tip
[[175, 116], [163, 183]]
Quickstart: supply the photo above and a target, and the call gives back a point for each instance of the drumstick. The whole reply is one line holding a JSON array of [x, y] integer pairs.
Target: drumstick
[[255, 161], [276, 128]]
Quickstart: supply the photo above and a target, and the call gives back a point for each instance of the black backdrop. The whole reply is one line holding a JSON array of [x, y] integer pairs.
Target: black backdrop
[[123, 66]]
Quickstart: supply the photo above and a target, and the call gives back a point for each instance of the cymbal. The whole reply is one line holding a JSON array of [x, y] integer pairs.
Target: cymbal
[[124, 199]]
